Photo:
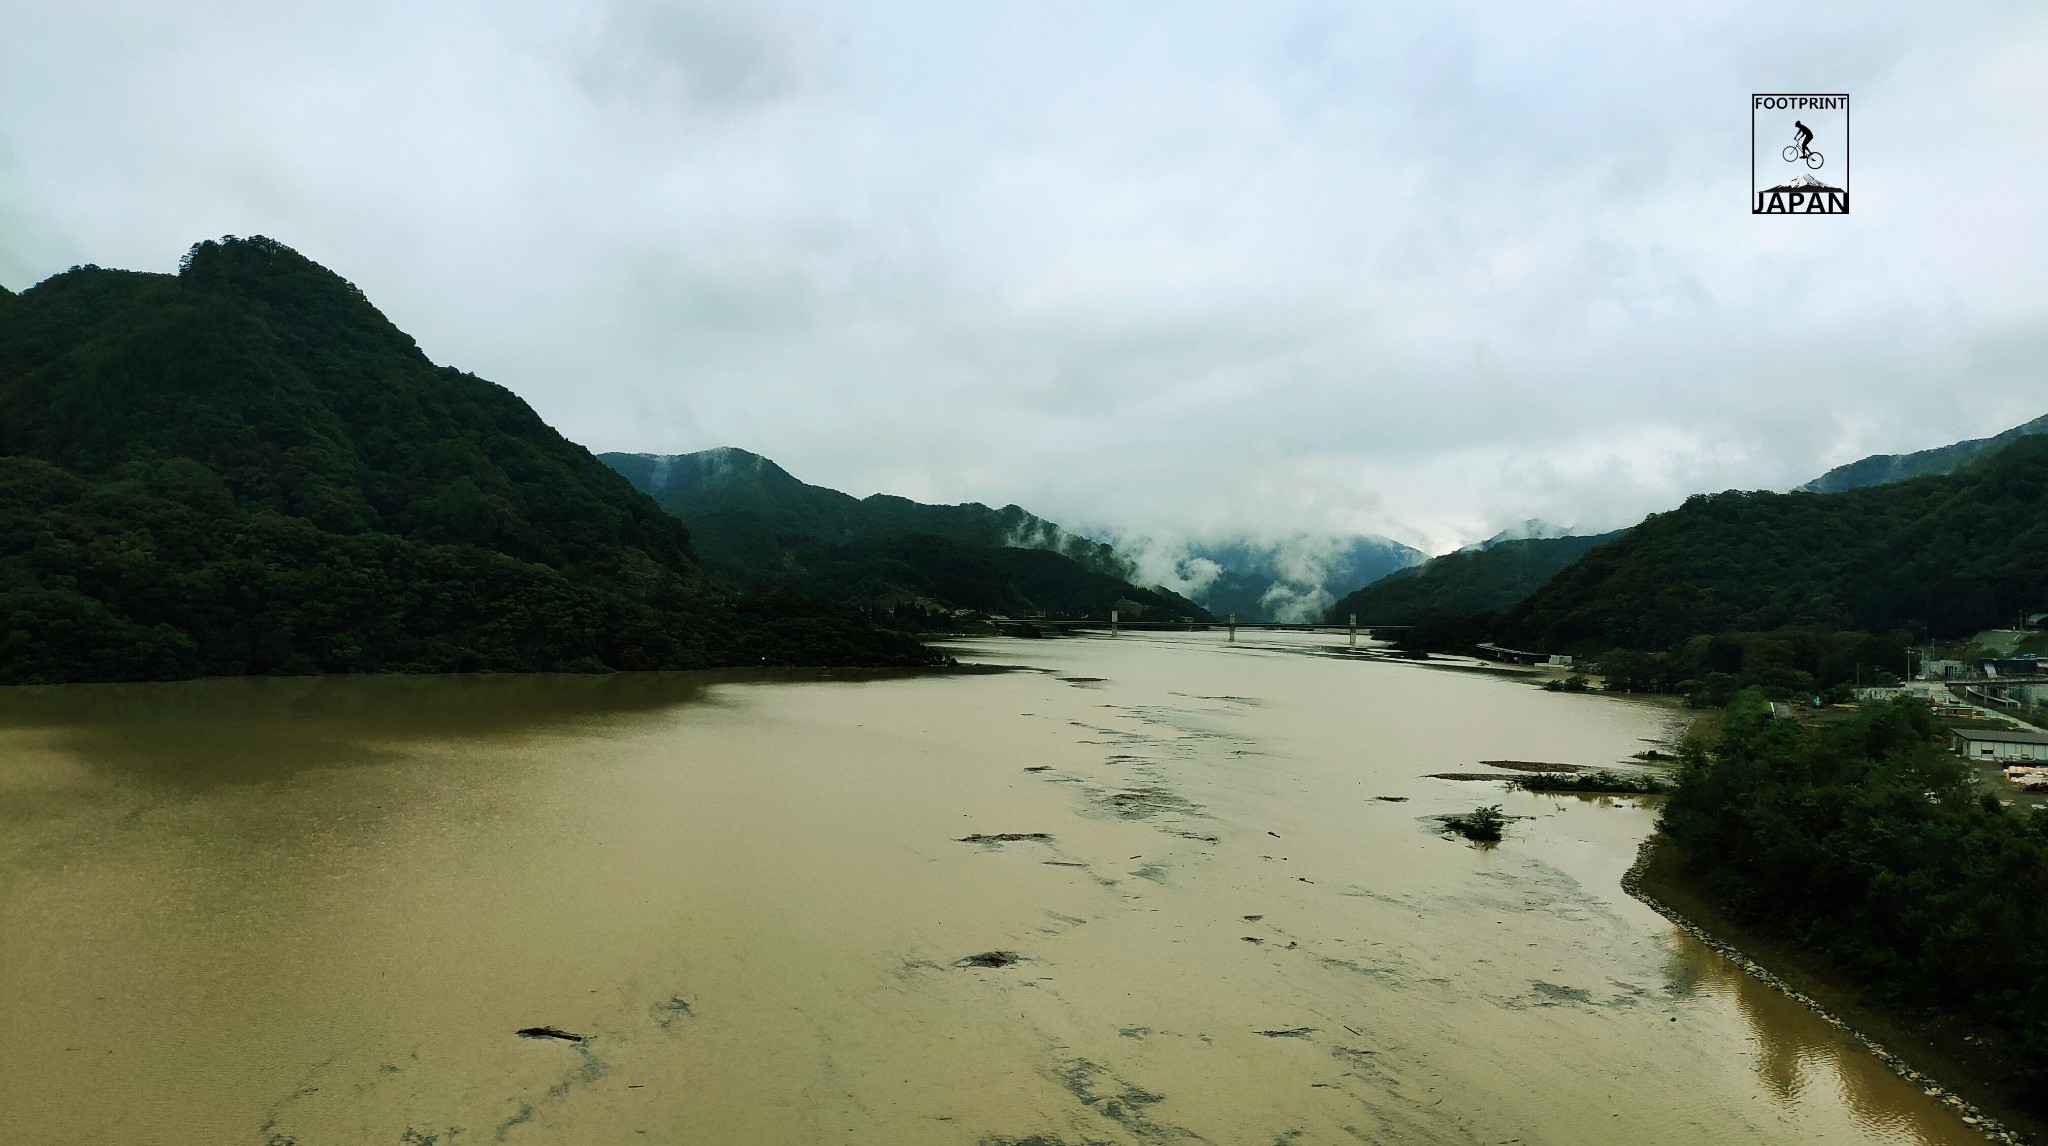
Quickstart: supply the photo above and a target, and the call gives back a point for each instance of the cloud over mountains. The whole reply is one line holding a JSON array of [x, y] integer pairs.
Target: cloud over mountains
[[1414, 272]]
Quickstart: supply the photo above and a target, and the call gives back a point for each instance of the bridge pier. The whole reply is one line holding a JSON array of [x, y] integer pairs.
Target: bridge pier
[[1233, 626], [1354, 630]]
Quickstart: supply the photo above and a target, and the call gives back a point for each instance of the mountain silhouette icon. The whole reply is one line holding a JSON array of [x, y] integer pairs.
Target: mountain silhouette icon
[[1805, 183]]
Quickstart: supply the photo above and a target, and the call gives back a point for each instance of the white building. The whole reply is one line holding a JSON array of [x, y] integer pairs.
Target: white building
[[1985, 745]]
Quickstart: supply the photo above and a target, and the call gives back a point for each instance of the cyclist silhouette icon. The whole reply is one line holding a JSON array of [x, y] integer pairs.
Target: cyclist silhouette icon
[[1798, 149]]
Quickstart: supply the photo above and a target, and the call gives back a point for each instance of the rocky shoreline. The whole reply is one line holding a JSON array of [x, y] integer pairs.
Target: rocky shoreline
[[1991, 1128]]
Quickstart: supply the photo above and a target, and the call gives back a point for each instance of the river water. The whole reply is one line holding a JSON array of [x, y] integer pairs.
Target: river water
[[317, 911]]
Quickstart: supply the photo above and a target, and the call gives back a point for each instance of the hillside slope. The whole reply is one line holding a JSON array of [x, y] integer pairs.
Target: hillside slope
[[1469, 581], [1948, 554], [752, 519], [1882, 469], [245, 468]]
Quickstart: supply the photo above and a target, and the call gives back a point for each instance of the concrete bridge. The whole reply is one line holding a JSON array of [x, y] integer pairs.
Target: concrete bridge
[[1230, 624]]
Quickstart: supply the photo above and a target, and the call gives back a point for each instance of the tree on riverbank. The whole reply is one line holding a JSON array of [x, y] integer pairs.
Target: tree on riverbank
[[1783, 663], [1870, 844]]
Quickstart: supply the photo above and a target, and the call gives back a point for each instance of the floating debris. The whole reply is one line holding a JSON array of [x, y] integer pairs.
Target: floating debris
[[1533, 766], [1003, 837], [1392, 799], [1289, 1033], [550, 1033], [1145, 801], [992, 959]]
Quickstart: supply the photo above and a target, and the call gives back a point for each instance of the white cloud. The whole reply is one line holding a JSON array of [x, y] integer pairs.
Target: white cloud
[[1419, 270]]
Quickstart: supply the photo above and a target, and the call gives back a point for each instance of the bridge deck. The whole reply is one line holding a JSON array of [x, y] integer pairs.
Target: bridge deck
[[1283, 626]]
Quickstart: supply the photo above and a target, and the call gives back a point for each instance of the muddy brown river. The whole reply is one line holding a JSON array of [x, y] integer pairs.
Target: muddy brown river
[[319, 911]]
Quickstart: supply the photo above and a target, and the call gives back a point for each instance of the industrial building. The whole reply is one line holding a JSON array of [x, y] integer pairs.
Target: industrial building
[[1998, 744]]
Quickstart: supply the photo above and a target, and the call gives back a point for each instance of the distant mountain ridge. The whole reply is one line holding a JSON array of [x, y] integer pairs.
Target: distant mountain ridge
[[750, 518], [1879, 469], [1294, 578], [736, 479], [1528, 529]]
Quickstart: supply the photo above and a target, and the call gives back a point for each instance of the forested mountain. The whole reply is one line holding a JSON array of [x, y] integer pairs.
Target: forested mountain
[[1948, 554], [752, 519], [246, 468], [1880, 469], [1296, 578], [1469, 581]]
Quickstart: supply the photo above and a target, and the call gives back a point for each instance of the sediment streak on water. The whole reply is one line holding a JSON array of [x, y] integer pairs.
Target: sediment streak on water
[[313, 911]]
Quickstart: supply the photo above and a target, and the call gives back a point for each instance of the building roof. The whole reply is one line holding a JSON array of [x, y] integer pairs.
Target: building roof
[[2002, 735]]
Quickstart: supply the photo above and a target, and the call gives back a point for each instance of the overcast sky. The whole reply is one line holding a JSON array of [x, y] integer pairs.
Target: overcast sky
[[1415, 269]]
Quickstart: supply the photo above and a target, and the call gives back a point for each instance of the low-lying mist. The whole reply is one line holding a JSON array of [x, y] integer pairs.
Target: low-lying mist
[[1289, 578]]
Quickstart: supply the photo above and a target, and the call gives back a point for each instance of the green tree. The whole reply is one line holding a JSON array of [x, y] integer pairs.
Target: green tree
[[245, 468], [1869, 843]]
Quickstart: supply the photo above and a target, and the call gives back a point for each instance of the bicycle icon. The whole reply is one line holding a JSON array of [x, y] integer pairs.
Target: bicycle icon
[[1793, 153]]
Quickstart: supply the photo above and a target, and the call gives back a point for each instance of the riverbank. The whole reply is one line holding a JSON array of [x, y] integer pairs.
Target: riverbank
[[1968, 1064]]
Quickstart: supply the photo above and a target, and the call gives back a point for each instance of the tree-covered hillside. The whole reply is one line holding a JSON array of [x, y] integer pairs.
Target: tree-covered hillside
[[1880, 469], [246, 468], [1466, 582], [1944, 555], [762, 496], [753, 520]]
